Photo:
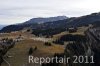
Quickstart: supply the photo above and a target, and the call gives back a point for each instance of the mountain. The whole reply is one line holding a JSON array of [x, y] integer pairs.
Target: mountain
[[61, 22], [43, 20], [84, 20], [76, 21], [34, 23], [1, 26]]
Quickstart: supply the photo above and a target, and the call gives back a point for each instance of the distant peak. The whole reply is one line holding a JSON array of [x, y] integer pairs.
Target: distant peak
[[46, 19]]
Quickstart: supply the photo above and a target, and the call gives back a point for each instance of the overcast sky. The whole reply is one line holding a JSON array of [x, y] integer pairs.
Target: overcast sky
[[17, 11]]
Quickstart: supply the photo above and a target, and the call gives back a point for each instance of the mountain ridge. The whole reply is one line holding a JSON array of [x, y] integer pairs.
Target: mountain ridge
[[47, 19], [48, 24]]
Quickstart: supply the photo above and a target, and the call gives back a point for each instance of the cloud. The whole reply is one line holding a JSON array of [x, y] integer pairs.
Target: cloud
[[17, 11]]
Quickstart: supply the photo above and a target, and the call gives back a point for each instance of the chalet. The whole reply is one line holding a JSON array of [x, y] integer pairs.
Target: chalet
[[71, 30]]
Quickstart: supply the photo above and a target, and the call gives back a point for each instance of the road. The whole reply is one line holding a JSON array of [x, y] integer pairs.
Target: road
[[6, 61]]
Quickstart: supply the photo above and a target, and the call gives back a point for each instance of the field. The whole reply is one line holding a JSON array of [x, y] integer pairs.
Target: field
[[19, 53]]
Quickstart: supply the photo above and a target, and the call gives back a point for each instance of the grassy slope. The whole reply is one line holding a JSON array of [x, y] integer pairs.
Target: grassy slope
[[20, 51], [79, 31]]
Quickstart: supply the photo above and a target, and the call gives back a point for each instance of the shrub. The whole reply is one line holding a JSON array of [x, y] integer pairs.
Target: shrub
[[47, 44], [30, 51]]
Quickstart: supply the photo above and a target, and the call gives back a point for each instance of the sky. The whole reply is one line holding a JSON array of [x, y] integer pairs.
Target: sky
[[18, 11]]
